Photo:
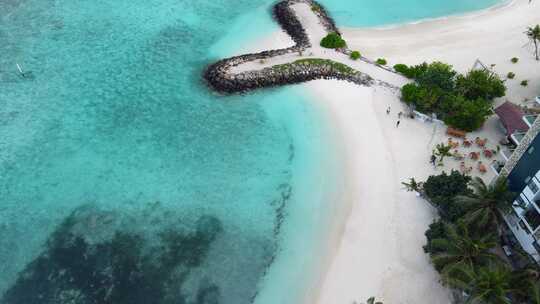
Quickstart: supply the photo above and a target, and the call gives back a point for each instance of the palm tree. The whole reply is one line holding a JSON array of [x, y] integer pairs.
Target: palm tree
[[534, 35], [527, 284], [526, 280], [413, 185], [460, 249], [443, 151], [487, 205], [491, 284]]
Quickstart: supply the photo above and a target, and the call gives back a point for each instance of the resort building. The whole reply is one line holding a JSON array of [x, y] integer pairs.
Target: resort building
[[522, 169]]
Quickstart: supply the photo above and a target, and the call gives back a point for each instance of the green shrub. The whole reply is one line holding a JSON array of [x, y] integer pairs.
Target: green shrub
[[514, 60], [480, 84], [468, 115], [437, 230], [381, 61], [443, 188], [333, 41], [524, 83], [316, 8], [439, 75], [402, 69], [511, 75], [355, 55], [412, 72], [416, 71], [462, 101]]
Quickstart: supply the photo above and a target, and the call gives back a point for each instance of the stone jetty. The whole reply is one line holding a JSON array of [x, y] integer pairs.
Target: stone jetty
[[220, 78]]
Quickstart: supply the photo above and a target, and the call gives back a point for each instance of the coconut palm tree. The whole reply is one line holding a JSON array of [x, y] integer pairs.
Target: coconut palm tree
[[442, 151], [527, 284], [487, 205], [460, 249], [413, 185], [533, 33], [526, 280], [490, 284]]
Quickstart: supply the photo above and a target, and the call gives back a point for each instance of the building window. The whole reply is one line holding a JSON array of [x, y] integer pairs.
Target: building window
[[521, 202], [536, 246], [533, 217], [524, 227], [532, 185]]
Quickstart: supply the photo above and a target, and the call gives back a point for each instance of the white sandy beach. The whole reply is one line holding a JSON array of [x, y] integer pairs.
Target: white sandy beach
[[381, 247], [379, 251]]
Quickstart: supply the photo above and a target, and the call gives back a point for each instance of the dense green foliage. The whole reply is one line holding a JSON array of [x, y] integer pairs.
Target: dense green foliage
[[355, 55], [401, 68], [462, 101], [511, 75], [460, 244], [514, 60], [411, 72], [381, 61], [442, 190], [333, 41], [486, 206], [479, 84], [436, 230], [460, 247], [439, 76], [466, 114], [490, 284], [524, 83]]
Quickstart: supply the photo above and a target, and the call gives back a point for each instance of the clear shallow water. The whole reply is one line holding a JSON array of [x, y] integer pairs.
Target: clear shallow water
[[116, 125], [362, 13]]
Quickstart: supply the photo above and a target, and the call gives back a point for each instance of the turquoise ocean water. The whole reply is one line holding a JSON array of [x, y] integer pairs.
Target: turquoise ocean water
[[112, 147]]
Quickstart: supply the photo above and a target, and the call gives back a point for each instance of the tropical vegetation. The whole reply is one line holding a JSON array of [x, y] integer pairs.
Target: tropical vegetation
[[487, 205], [461, 242], [462, 101], [533, 33], [442, 190], [333, 41], [381, 61], [355, 55]]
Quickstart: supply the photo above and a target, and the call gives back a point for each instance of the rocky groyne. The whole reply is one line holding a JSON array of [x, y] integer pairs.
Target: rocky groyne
[[292, 73], [219, 76]]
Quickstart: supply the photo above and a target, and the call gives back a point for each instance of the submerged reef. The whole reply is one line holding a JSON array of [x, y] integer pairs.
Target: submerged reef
[[122, 266]]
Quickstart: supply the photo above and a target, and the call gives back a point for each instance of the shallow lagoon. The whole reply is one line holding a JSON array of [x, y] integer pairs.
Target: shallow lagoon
[[117, 125]]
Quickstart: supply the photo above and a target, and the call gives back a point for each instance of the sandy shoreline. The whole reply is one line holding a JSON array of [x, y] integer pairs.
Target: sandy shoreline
[[377, 250], [381, 248], [380, 252]]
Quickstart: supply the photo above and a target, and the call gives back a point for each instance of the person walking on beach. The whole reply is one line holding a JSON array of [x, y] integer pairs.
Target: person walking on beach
[[397, 124], [388, 111], [399, 115], [433, 159]]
